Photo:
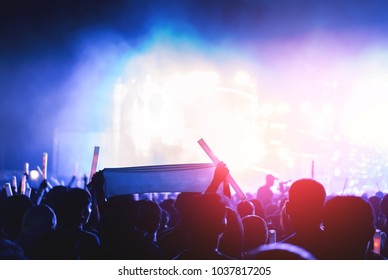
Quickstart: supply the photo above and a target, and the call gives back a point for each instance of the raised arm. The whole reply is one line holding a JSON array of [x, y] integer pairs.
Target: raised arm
[[220, 174]]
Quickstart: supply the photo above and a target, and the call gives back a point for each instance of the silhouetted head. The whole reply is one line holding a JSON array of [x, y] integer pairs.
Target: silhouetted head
[[9, 250], [39, 219], [259, 209], [184, 204], [306, 198], [349, 226], [149, 216], [270, 179], [210, 216], [78, 207], [255, 232], [384, 205], [55, 198], [375, 202], [232, 240], [170, 212], [245, 208], [14, 209], [281, 251]]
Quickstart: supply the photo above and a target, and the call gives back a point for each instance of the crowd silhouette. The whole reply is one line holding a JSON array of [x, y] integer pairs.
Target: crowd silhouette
[[302, 223]]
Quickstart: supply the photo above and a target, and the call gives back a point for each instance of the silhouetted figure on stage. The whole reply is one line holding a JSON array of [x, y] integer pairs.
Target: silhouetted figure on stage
[[264, 193]]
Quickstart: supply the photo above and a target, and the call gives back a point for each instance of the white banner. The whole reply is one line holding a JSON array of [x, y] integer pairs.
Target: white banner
[[194, 177]]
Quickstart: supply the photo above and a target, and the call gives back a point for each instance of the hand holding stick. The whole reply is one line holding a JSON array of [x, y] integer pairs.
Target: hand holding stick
[[215, 160]]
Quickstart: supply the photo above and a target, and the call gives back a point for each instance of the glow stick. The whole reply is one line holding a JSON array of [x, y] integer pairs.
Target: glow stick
[[26, 168], [28, 191], [8, 189], [41, 174], [14, 183], [94, 162], [55, 180], [215, 160], [23, 184], [271, 236], [44, 165]]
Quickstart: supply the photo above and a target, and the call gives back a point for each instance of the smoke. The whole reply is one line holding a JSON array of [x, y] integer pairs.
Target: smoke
[[62, 67]]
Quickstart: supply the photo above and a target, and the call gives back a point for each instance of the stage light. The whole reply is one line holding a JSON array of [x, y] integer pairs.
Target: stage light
[[352, 183], [34, 175]]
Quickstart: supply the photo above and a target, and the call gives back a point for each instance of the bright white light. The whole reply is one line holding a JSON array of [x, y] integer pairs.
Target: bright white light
[[336, 155], [327, 109], [291, 163], [34, 175], [337, 137], [305, 106], [276, 125], [352, 183], [267, 109], [283, 153], [337, 172], [242, 78], [282, 108]]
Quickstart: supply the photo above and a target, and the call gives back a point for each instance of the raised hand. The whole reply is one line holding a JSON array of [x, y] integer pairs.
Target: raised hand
[[220, 174]]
